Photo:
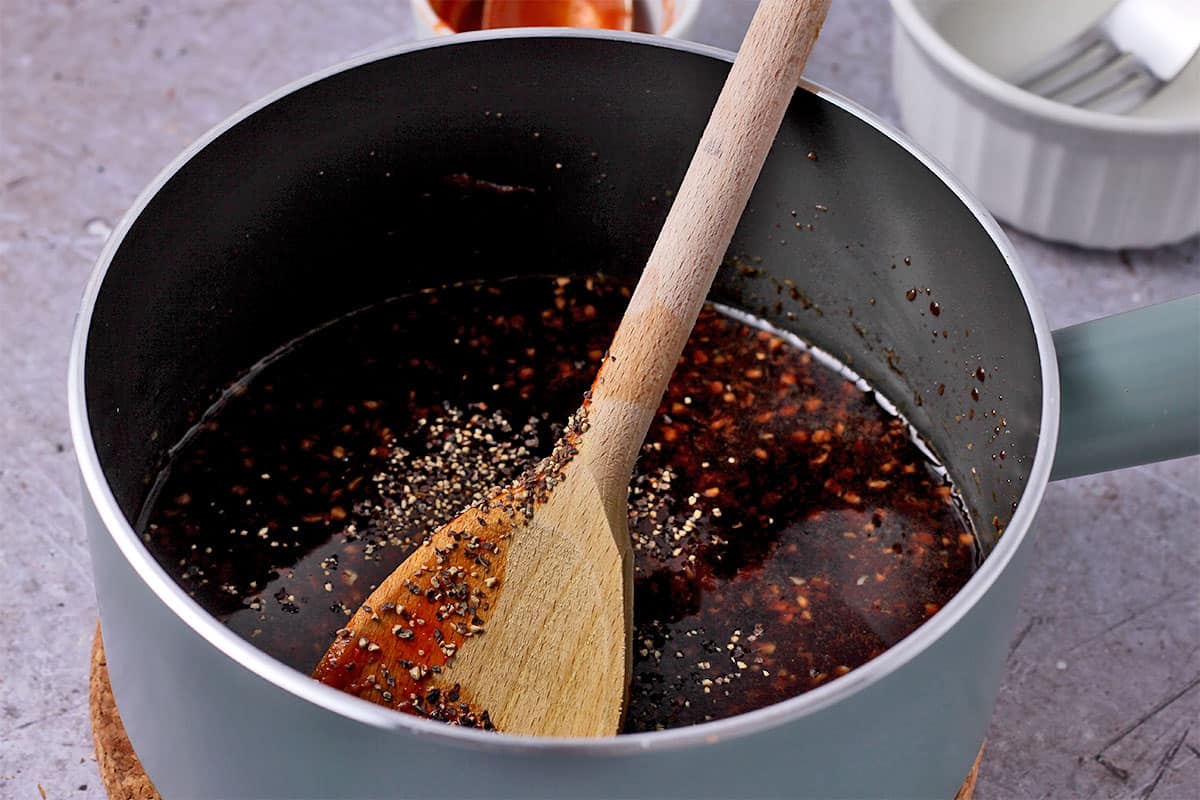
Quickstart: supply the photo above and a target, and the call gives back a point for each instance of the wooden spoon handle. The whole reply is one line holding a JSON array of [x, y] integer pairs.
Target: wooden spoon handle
[[697, 232]]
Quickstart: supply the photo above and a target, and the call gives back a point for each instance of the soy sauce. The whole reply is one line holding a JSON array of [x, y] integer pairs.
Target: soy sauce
[[786, 527]]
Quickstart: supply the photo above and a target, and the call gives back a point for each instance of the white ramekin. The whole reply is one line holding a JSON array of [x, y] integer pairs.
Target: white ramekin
[[679, 15], [1061, 173]]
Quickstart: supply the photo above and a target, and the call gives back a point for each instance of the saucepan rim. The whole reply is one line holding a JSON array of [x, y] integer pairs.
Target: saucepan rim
[[305, 688]]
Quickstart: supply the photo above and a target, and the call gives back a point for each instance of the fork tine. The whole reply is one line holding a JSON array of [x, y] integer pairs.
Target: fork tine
[[1080, 68], [1058, 58], [1127, 95], [1098, 82]]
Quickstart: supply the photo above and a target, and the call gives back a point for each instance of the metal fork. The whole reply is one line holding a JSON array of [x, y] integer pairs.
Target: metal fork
[[1122, 60]]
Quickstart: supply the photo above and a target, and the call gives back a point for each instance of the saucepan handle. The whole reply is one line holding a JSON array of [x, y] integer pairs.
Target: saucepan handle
[[1130, 389]]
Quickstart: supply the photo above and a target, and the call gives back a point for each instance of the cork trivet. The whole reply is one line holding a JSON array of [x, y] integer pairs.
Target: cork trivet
[[122, 773], [120, 770], [967, 790]]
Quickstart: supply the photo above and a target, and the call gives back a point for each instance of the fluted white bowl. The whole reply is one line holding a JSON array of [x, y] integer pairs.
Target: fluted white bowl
[[1059, 172]]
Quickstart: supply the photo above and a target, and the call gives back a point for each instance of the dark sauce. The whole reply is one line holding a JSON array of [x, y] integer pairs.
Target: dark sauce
[[787, 528]]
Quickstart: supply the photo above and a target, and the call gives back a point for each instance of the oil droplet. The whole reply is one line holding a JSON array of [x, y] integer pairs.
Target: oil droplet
[[907, 261], [980, 374], [1003, 455], [974, 396], [935, 308], [941, 389], [911, 294]]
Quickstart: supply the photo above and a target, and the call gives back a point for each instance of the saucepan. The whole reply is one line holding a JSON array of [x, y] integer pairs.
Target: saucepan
[[330, 195]]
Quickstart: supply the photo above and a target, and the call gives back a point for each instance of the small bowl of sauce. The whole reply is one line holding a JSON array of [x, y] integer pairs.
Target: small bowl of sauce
[[674, 18]]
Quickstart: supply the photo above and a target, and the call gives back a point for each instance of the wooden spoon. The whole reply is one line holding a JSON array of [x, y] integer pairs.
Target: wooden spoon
[[614, 14], [519, 612]]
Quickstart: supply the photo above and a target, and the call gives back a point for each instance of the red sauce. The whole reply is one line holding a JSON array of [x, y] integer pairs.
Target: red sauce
[[468, 15]]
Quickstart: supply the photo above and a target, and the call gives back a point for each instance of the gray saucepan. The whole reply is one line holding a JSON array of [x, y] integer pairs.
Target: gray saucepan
[[325, 197]]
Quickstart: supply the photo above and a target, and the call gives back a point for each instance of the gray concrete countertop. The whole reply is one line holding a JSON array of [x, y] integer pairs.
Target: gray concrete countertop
[[1102, 696]]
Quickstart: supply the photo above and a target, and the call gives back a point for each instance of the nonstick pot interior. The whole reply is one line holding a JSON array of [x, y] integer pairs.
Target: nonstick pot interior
[[504, 156]]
